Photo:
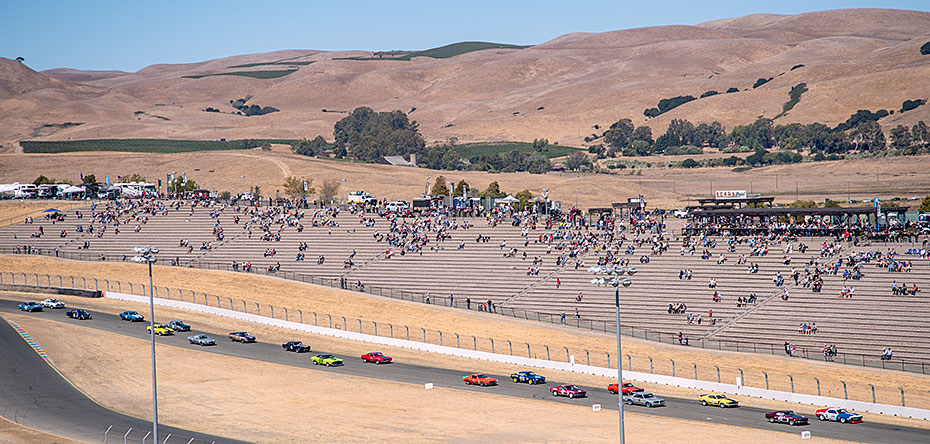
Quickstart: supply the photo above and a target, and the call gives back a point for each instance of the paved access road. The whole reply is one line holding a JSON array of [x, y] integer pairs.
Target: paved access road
[[867, 432]]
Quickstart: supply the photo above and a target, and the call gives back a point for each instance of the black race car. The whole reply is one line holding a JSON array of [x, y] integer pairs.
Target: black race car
[[79, 313], [295, 346]]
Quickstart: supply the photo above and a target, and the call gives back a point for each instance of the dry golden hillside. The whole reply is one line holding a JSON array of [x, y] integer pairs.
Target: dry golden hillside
[[853, 59]]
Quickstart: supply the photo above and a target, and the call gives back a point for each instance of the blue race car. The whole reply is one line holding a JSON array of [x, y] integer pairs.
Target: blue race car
[[30, 306], [528, 377], [130, 315]]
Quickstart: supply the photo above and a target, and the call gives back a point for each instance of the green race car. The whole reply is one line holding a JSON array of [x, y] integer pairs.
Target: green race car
[[327, 360]]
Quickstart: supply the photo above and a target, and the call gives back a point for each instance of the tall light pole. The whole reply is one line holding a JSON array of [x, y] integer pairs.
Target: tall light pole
[[211, 182], [147, 254], [243, 186], [614, 273]]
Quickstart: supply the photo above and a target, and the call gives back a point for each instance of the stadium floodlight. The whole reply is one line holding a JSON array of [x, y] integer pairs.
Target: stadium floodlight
[[147, 256], [614, 273]]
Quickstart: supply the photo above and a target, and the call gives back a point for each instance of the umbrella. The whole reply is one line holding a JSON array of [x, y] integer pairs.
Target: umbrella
[[52, 210]]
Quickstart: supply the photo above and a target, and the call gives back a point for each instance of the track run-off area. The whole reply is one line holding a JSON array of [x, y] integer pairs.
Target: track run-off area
[[74, 405]]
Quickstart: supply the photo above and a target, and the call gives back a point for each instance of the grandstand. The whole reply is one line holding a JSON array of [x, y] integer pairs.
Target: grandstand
[[480, 271]]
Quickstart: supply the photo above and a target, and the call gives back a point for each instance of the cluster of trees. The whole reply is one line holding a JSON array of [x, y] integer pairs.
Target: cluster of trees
[[622, 137], [861, 132], [911, 104], [368, 136], [249, 110], [512, 161], [295, 187], [667, 105], [315, 147]]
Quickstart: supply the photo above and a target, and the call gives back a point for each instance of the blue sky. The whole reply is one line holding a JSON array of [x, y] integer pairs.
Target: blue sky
[[129, 35]]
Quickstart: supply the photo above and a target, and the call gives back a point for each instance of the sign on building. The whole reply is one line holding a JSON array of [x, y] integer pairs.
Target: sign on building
[[730, 194]]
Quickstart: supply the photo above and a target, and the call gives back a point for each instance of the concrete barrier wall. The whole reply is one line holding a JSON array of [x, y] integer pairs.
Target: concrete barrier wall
[[707, 386], [51, 290]]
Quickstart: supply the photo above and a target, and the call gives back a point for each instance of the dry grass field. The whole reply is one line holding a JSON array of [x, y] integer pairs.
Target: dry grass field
[[339, 303], [663, 188], [218, 384], [558, 89]]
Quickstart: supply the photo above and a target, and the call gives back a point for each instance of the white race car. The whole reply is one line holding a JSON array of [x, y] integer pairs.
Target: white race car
[[53, 303]]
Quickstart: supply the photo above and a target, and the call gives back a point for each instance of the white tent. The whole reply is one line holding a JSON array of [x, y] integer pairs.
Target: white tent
[[509, 199], [71, 191]]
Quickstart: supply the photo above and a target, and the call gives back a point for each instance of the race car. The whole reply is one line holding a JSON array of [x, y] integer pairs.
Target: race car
[[160, 329], [643, 398], [718, 400], [376, 357], [30, 306], [178, 326], [132, 316], [568, 390], [201, 340], [479, 379], [786, 417], [839, 415], [53, 303], [79, 313], [628, 388], [241, 336], [528, 377], [295, 346], [327, 360]]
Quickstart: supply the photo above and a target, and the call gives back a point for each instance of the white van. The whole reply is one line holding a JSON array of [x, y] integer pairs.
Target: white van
[[361, 197], [26, 191], [397, 206]]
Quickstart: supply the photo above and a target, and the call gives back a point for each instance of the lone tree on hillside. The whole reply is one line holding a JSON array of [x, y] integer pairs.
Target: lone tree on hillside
[[440, 188], [577, 160], [294, 186], [493, 190], [329, 190], [461, 187]]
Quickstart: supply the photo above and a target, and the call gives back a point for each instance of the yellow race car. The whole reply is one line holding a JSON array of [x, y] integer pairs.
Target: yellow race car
[[719, 400], [160, 329]]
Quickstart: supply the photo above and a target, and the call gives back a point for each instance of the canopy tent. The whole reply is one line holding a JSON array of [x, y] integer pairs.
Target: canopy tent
[[52, 210], [72, 190], [509, 199]]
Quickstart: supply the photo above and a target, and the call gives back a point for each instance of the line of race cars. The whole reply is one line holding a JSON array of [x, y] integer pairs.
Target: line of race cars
[[631, 394]]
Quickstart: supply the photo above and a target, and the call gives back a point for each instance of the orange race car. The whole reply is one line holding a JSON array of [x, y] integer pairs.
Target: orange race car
[[628, 388], [479, 379]]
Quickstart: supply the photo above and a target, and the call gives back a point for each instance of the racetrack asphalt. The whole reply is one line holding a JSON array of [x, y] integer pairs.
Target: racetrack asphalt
[[689, 409], [33, 394]]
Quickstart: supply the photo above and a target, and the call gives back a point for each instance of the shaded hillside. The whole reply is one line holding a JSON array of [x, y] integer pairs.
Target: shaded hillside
[[558, 90]]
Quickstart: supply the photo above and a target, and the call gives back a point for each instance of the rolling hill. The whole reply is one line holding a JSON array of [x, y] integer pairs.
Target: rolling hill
[[559, 90]]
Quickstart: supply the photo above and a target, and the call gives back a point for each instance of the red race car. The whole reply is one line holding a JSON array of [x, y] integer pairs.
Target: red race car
[[628, 388], [479, 379], [376, 357], [568, 390]]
